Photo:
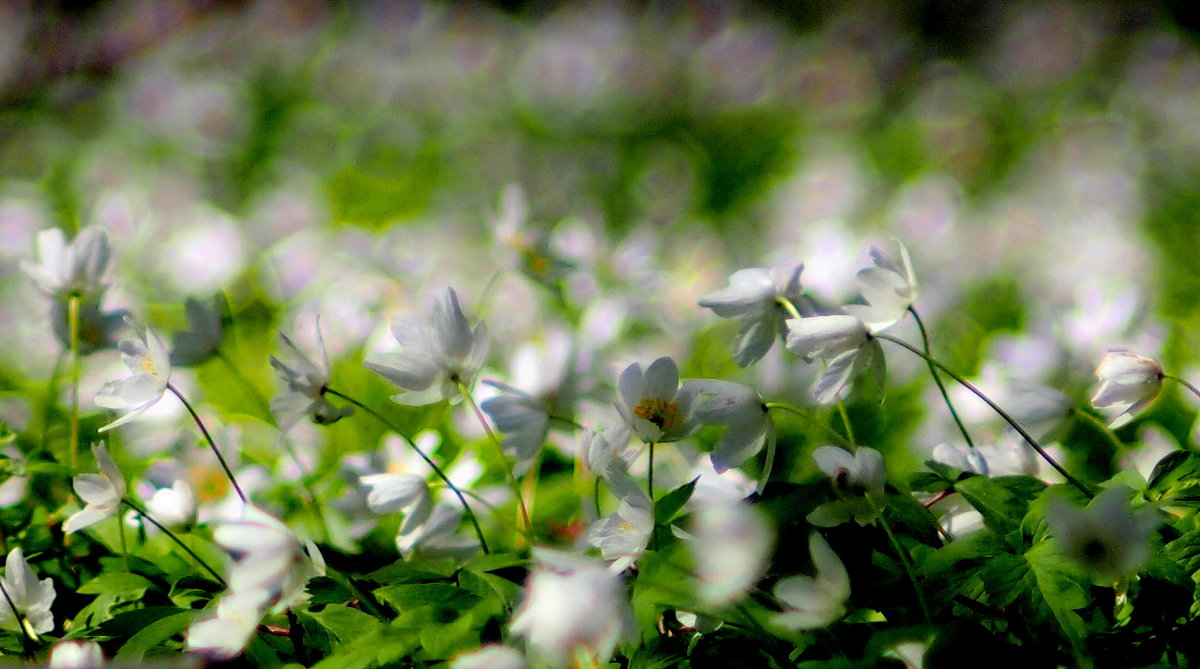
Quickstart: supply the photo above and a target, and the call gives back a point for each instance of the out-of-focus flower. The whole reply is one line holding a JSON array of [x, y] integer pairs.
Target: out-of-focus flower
[[654, 405], [622, 536], [398, 491], [889, 289], [858, 480], [844, 343], [436, 355], [731, 544], [97, 329], [492, 656], [1129, 382], [608, 450], [102, 493], [1108, 539], [739, 407], [81, 269], [813, 602], [306, 383], [146, 356], [76, 655], [172, 507], [30, 597], [437, 535], [268, 557], [203, 336], [572, 606], [752, 300], [227, 634], [1009, 458], [523, 421]]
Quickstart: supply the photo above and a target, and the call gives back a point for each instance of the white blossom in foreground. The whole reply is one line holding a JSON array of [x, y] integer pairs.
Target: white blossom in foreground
[[622, 536], [858, 480], [436, 355], [76, 655], [493, 656], [306, 382], [573, 607], [846, 346], [172, 507], [146, 356], [31, 598], [82, 268], [101, 493], [731, 544], [228, 632], [813, 602], [267, 557], [752, 300], [1108, 539], [1129, 382], [653, 404], [889, 289]]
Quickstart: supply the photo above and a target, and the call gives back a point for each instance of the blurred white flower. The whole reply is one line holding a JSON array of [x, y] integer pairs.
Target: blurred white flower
[[203, 336], [491, 656], [731, 544], [30, 597], [306, 383], [102, 493], [76, 655], [226, 634], [609, 450], [752, 300], [436, 355], [739, 407], [573, 605], [623, 535], [398, 491], [523, 421], [858, 479], [172, 507], [1008, 458], [268, 558], [653, 404], [889, 289], [437, 535], [82, 268], [1129, 382], [813, 602], [844, 343], [1108, 539], [146, 356]]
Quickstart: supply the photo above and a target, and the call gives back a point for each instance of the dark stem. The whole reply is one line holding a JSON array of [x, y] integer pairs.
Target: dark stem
[[1185, 384], [212, 444], [20, 621], [432, 465], [938, 379], [995, 407], [179, 542]]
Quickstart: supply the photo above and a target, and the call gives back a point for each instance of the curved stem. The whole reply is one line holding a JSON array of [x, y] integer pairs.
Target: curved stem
[[787, 306], [73, 326], [1185, 384], [211, 444], [768, 465], [650, 492], [837, 436], [995, 407], [142, 512], [432, 465], [25, 631], [905, 560], [512, 478], [938, 379]]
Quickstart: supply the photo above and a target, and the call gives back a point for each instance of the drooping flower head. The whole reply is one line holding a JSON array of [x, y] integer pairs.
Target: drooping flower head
[[81, 269], [436, 355], [146, 356], [813, 602], [1108, 538], [1129, 382], [739, 407], [752, 300], [30, 597], [623, 535], [102, 493], [844, 343], [653, 404], [306, 382], [889, 289]]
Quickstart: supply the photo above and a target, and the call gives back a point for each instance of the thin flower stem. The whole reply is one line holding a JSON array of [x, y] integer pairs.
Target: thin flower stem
[[837, 436], [768, 465], [124, 545], [25, 631], [211, 444], [432, 465], [846, 422], [51, 397], [1185, 384], [995, 407], [179, 542], [73, 326], [938, 379], [650, 492], [787, 306], [905, 560], [1099, 426], [527, 526]]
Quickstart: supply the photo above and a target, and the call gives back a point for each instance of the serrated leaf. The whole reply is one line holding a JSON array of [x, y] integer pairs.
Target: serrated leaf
[[344, 624], [1062, 588], [411, 595], [669, 504], [1002, 502], [1176, 478], [907, 513], [123, 583], [325, 590]]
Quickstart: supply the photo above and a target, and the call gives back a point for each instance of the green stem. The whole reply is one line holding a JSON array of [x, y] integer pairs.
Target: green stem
[[905, 560], [179, 542], [793, 410], [846, 422], [650, 492], [124, 545], [432, 465], [938, 379], [995, 407], [787, 306], [211, 444], [51, 398], [768, 465], [512, 478], [1099, 426], [1185, 384], [73, 325]]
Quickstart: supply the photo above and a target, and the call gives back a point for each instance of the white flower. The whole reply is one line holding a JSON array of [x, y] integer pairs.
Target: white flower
[[268, 557], [398, 491], [172, 507], [437, 535], [435, 357], [102, 493], [306, 383], [82, 269], [524, 422], [608, 450], [76, 655], [146, 356], [889, 289], [1108, 539], [1009, 458], [573, 605], [1129, 382], [844, 343], [752, 300], [858, 479], [739, 407], [622, 536], [653, 404], [203, 337], [227, 634], [731, 544], [31, 598], [813, 602], [492, 656]]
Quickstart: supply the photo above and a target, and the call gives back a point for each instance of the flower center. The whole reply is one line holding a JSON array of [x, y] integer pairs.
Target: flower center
[[147, 365], [662, 413]]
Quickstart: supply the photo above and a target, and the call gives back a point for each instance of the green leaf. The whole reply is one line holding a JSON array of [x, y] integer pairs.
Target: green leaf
[[344, 624], [129, 623], [906, 513], [1003, 502], [1063, 589], [155, 633], [412, 595], [1176, 478], [667, 506], [125, 584], [325, 590]]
